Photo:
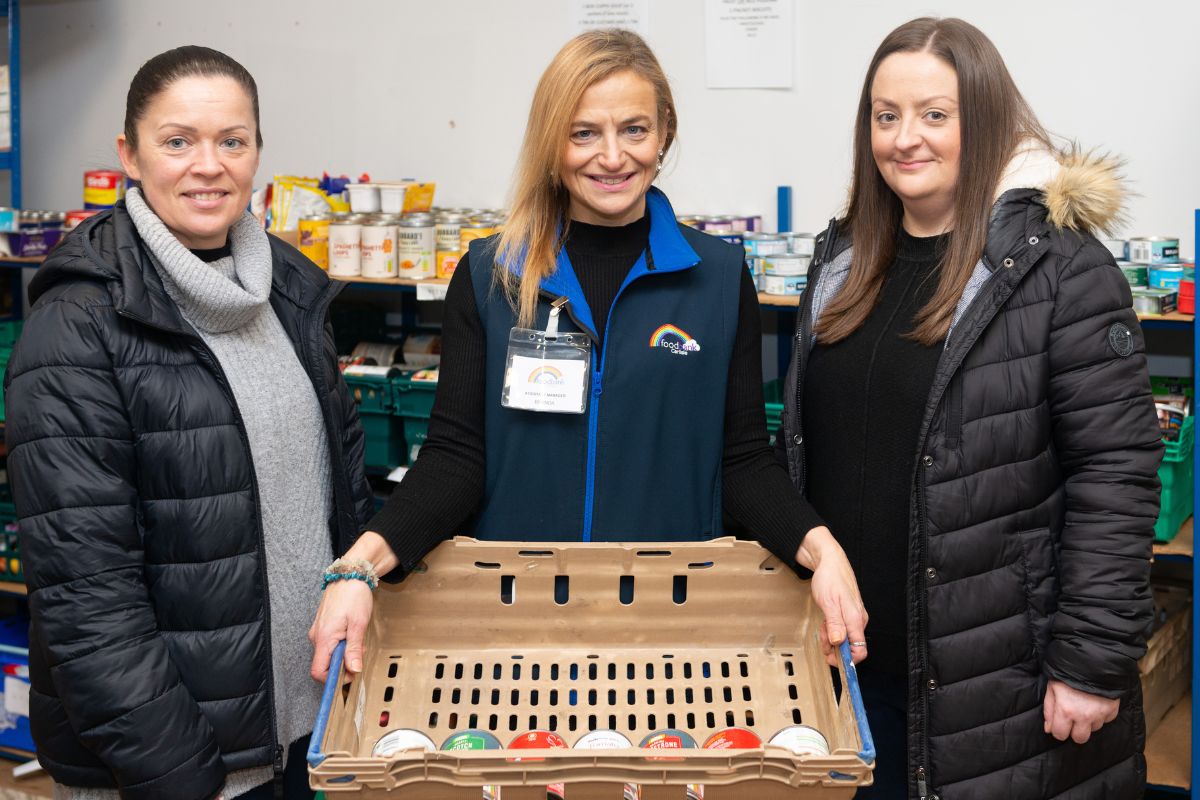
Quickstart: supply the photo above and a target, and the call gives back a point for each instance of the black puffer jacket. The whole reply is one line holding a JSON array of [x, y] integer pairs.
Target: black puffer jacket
[[132, 476], [1033, 504]]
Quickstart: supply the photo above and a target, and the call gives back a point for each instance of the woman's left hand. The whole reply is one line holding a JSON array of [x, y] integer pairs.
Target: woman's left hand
[[1075, 714]]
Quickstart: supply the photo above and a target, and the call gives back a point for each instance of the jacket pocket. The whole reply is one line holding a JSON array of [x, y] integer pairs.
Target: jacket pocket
[[954, 411], [1037, 557]]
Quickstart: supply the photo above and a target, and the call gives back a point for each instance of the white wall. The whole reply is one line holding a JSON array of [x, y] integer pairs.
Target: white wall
[[440, 90]]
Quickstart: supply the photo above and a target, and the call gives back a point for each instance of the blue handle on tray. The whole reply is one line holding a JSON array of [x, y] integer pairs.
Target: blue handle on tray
[[315, 756], [856, 702]]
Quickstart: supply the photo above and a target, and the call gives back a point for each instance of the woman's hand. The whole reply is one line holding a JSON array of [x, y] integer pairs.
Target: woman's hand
[[1075, 714], [346, 607], [836, 592]]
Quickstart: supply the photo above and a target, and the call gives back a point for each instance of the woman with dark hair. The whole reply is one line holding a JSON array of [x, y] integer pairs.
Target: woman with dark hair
[[185, 460], [668, 433], [968, 409]]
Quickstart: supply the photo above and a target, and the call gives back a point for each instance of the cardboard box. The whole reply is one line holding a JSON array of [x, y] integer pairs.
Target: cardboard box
[[572, 637], [1166, 668]]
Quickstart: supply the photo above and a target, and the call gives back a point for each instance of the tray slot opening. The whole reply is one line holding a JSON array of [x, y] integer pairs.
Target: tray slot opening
[[679, 589], [626, 589], [508, 589], [562, 589]]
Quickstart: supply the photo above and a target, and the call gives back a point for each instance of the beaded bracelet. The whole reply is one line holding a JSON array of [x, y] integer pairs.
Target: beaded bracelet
[[355, 570]]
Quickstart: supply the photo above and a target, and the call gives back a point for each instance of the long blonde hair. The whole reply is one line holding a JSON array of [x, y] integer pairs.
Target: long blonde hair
[[995, 119], [537, 221]]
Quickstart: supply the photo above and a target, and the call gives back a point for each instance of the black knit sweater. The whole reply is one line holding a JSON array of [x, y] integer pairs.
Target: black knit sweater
[[446, 484], [863, 401]]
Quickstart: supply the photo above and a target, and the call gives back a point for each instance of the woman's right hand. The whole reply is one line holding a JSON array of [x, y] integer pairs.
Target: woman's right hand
[[835, 590], [345, 608]]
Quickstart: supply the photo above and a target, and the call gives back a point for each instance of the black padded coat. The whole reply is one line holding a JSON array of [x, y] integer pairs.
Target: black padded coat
[[1034, 495], [136, 496]]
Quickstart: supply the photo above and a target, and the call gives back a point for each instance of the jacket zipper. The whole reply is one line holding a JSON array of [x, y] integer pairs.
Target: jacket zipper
[[923, 625], [803, 334], [208, 354]]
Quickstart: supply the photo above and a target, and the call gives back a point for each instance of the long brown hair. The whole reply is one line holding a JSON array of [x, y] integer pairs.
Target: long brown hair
[[994, 121], [537, 220]]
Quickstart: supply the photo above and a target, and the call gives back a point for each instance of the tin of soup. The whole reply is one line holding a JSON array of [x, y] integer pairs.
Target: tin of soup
[[801, 740], [102, 188], [1154, 250], [1118, 247], [786, 264], [733, 739], [402, 739], [668, 739], [786, 285], [345, 249], [539, 740], [1136, 274], [314, 239], [416, 246], [764, 244], [802, 244], [379, 250]]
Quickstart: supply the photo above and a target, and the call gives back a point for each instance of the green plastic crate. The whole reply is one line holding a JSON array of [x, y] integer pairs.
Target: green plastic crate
[[385, 440], [373, 393], [1176, 473], [416, 431], [773, 396], [413, 398], [10, 332]]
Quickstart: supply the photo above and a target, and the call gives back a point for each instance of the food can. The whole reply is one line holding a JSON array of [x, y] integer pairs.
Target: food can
[[764, 244], [448, 232], [716, 225], [345, 248], [751, 223], [802, 244], [102, 188], [474, 739], [1155, 301], [733, 739], [1134, 273], [668, 739], [10, 220], [473, 230], [787, 285], [416, 247], [802, 740], [538, 740], [74, 217], [447, 262], [609, 740], [1118, 247], [402, 739], [379, 249], [690, 220], [364, 197], [1164, 277], [1154, 250], [314, 239], [787, 264]]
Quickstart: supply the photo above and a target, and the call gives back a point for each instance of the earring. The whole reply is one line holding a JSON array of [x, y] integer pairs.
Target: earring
[[658, 166]]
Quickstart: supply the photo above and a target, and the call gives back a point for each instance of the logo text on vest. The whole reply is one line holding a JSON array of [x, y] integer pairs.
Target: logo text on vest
[[675, 339]]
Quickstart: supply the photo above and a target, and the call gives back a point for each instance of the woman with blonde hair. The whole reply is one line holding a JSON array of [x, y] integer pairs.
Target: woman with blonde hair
[[968, 408], [643, 418]]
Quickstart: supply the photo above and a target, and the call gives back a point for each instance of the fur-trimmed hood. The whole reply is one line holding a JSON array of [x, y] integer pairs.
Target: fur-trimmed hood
[[1082, 191]]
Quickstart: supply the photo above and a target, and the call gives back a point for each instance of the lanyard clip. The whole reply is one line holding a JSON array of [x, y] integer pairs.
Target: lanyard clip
[[555, 309]]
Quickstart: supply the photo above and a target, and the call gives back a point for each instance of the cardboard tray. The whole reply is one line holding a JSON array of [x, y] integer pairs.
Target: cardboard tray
[[510, 636]]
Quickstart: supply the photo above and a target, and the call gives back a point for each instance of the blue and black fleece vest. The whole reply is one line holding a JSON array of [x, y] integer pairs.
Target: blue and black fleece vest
[[643, 463]]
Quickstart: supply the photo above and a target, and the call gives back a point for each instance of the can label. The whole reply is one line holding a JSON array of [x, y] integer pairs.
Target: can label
[[415, 252], [766, 246], [75, 217], [802, 740], [345, 250], [314, 241], [733, 739], [537, 740], [447, 262], [1165, 277], [448, 236], [102, 188], [802, 244], [402, 739], [469, 234], [668, 739], [471, 740], [378, 251], [609, 740], [787, 286], [788, 264], [1153, 251]]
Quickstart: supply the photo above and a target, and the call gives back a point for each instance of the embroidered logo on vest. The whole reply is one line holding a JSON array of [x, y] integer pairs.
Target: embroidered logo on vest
[[1120, 338], [675, 339]]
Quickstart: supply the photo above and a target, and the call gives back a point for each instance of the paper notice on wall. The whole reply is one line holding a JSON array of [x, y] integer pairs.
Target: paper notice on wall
[[748, 44], [587, 15]]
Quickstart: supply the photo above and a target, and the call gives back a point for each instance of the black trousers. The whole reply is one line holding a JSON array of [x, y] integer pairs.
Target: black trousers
[[886, 699], [295, 777]]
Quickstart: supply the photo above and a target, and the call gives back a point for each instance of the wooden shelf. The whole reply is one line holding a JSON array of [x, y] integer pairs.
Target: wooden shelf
[[1174, 316], [21, 262], [32, 787], [1169, 749], [1182, 546], [12, 587], [783, 300], [396, 281]]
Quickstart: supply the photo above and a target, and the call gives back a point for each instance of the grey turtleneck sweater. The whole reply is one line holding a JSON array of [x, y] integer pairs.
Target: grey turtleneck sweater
[[226, 301]]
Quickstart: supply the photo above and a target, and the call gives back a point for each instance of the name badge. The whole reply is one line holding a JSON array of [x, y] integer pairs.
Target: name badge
[[545, 370]]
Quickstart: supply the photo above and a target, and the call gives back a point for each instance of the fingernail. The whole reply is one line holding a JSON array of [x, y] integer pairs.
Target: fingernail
[[356, 666]]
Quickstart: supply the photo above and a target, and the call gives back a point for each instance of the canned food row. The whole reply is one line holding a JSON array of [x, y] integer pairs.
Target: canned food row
[[1145, 250], [723, 223], [379, 246], [800, 739]]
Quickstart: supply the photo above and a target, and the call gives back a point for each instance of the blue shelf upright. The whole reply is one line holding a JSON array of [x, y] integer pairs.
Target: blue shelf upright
[[11, 160]]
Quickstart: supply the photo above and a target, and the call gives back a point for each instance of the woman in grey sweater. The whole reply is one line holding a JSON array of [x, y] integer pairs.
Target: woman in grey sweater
[[186, 461]]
